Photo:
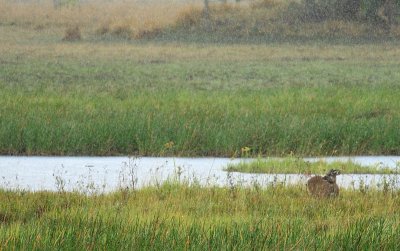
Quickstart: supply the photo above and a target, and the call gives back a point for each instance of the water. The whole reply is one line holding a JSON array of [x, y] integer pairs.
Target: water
[[104, 174]]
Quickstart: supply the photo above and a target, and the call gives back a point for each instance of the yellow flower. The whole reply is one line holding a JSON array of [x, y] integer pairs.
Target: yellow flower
[[245, 149], [169, 144]]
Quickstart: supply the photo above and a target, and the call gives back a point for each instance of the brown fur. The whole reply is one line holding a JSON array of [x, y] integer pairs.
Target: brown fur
[[319, 187], [324, 186]]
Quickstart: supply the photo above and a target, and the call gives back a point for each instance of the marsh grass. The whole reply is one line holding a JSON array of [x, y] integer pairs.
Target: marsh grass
[[291, 165], [183, 216], [208, 125], [76, 99]]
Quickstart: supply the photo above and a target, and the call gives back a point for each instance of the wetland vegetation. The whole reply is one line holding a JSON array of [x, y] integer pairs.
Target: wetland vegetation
[[183, 216], [163, 80], [195, 99]]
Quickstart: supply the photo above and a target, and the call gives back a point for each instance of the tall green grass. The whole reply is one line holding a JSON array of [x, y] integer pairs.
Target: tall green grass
[[180, 216], [98, 106]]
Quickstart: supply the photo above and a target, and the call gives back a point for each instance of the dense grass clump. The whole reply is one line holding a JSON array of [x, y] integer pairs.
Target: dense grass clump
[[182, 216], [300, 166]]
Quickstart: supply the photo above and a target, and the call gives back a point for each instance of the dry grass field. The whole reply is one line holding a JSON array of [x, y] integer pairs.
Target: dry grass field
[[260, 19]]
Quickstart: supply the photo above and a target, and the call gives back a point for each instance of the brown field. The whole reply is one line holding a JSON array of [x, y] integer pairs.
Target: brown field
[[147, 19], [95, 15]]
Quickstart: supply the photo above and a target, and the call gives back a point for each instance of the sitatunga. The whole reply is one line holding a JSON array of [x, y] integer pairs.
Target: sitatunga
[[324, 187]]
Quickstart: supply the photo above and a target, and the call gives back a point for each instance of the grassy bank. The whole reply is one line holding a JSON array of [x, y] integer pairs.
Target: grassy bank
[[189, 217], [300, 166]]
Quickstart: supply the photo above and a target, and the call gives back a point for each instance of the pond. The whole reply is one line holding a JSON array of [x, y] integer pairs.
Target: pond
[[104, 174]]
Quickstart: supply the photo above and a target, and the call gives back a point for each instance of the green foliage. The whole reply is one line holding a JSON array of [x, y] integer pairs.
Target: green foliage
[[381, 11], [370, 9], [319, 10]]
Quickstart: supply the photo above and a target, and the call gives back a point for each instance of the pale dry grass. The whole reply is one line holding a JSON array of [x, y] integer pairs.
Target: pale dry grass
[[146, 19], [134, 17], [17, 42]]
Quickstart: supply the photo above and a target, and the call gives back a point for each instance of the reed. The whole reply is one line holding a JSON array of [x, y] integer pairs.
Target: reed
[[190, 217]]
